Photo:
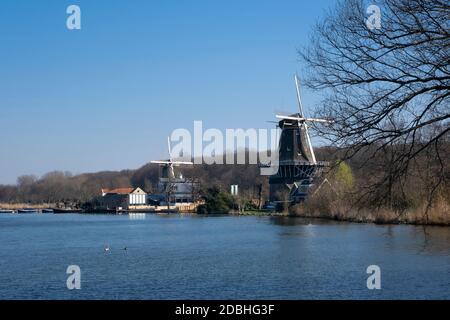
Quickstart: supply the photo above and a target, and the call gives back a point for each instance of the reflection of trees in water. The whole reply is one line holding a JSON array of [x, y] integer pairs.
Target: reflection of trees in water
[[298, 221], [429, 239], [426, 238], [434, 239], [419, 239], [415, 239]]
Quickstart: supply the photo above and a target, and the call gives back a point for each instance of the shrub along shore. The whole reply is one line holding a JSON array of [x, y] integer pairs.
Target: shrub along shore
[[438, 215]]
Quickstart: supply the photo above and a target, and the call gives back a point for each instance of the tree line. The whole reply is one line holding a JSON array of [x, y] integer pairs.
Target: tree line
[[60, 186]]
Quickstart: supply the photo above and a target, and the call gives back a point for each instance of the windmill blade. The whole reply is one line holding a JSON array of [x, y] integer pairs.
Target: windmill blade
[[308, 140], [161, 162], [171, 172], [302, 119], [297, 86], [182, 163], [278, 116], [169, 148]]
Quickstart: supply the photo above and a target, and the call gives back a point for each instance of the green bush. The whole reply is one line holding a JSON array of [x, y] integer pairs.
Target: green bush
[[217, 201], [343, 176]]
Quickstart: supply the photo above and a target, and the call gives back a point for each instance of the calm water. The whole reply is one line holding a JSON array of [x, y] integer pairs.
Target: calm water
[[176, 257]]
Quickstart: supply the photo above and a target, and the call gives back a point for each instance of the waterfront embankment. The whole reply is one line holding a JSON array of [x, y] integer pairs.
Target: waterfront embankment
[[17, 206], [438, 215]]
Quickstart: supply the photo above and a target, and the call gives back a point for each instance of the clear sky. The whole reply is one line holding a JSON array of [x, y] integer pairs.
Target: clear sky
[[106, 97]]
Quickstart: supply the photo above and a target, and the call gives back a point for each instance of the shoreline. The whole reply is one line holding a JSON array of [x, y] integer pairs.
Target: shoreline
[[331, 217], [350, 217], [17, 206]]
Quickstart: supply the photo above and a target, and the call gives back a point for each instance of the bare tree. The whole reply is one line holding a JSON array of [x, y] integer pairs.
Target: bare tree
[[386, 88], [26, 180]]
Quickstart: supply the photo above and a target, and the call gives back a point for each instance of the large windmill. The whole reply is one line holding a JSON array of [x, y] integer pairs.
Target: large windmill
[[297, 162], [167, 178]]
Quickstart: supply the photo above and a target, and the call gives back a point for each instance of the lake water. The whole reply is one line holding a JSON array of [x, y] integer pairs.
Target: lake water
[[224, 257]]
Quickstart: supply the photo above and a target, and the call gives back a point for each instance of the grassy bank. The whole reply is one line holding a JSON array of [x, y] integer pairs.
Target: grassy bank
[[437, 214], [16, 206]]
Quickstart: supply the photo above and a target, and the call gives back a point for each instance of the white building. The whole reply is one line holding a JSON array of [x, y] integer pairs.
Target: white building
[[123, 197]]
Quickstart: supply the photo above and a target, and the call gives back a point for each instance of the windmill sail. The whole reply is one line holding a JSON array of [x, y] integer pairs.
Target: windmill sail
[[167, 165], [306, 146], [306, 150]]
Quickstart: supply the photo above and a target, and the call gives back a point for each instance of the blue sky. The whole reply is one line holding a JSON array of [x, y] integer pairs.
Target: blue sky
[[106, 97]]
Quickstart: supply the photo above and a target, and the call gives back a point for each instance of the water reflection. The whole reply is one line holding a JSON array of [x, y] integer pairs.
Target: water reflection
[[298, 221], [137, 216], [418, 239]]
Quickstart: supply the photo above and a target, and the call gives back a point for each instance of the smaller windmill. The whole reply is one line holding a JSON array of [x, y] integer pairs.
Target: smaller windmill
[[297, 160], [167, 177]]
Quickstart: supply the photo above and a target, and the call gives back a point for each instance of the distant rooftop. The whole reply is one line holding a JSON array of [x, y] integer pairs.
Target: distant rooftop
[[118, 191]]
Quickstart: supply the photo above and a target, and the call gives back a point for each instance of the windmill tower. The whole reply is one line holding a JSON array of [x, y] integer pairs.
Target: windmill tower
[[167, 179], [297, 162]]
